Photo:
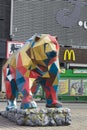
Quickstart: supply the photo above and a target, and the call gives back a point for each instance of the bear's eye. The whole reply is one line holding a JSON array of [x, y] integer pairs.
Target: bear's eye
[[45, 46]]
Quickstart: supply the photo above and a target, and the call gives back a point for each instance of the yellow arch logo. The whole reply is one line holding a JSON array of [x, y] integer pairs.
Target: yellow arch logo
[[69, 55]]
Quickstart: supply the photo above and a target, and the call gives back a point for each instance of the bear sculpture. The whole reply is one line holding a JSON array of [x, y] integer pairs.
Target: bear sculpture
[[37, 62]]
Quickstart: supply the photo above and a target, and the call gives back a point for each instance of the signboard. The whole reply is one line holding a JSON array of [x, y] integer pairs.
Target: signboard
[[80, 71], [69, 55], [73, 55], [13, 46]]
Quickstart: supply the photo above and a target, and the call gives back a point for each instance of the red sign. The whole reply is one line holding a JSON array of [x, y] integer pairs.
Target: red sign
[[13, 46]]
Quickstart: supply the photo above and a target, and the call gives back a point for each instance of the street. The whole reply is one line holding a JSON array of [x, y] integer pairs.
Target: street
[[78, 115]]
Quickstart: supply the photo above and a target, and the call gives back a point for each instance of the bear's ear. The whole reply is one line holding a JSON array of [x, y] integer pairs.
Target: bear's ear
[[37, 38], [56, 37]]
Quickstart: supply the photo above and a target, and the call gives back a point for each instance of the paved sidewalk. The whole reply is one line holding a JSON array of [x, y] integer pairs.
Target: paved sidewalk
[[78, 114]]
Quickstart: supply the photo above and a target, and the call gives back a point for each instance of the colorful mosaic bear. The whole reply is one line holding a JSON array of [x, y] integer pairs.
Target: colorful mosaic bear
[[36, 63]]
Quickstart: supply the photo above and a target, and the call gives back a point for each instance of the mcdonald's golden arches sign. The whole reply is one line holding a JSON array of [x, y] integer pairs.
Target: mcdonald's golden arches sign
[[69, 55], [73, 55]]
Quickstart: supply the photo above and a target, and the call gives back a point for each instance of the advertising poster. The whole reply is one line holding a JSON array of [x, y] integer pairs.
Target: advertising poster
[[39, 92], [63, 87], [84, 86], [76, 87]]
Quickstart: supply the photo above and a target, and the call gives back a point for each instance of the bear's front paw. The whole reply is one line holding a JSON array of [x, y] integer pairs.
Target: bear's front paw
[[28, 105]]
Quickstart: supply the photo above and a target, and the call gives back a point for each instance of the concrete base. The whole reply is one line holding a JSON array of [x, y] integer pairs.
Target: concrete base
[[39, 117]]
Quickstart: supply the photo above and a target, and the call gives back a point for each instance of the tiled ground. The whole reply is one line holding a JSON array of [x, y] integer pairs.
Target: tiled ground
[[78, 113]]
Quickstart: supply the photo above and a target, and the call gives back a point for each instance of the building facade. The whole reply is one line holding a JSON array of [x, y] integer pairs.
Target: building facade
[[67, 19]]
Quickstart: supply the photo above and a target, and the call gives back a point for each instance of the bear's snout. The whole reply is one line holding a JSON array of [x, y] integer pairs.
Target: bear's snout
[[52, 54]]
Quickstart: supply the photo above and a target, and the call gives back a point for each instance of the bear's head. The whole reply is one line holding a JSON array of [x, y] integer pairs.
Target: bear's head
[[44, 49]]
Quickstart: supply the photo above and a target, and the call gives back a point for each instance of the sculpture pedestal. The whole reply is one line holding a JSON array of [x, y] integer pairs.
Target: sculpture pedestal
[[39, 117]]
